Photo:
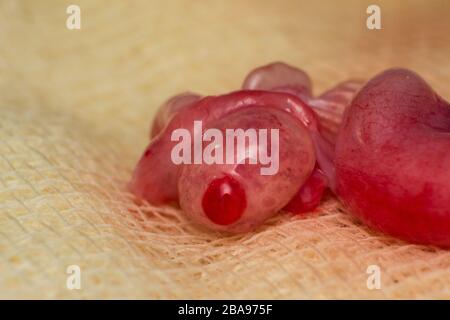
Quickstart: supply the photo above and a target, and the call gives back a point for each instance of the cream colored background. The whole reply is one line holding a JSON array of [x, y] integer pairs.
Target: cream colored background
[[75, 109]]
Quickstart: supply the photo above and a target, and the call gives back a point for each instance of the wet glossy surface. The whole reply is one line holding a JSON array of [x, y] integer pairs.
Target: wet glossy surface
[[393, 158]]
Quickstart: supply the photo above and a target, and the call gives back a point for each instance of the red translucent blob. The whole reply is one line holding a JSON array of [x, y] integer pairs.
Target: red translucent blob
[[224, 201], [393, 158], [309, 195]]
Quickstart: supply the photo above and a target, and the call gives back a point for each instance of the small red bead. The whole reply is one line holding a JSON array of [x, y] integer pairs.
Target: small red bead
[[309, 195], [224, 200]]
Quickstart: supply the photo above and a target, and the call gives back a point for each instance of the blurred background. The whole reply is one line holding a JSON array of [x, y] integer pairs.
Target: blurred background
[[75, 111]]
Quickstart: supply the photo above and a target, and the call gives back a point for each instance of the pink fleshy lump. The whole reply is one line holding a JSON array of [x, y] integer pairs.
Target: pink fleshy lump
[[393, 158]]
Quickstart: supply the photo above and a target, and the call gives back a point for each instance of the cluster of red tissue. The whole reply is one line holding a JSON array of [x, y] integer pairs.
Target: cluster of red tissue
[[382, 147]]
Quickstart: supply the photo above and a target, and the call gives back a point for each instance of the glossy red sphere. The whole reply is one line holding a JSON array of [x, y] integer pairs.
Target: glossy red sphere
[[224, 200]]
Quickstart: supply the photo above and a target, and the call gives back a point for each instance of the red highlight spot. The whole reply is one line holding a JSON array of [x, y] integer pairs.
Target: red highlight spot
[[224, 201], [309, 195]]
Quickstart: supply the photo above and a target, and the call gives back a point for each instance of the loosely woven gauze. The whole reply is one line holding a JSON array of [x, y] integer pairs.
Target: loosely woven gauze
[[75, 112]]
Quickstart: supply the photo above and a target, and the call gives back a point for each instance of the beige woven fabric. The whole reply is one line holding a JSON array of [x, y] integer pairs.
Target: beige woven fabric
[[75, 109]]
